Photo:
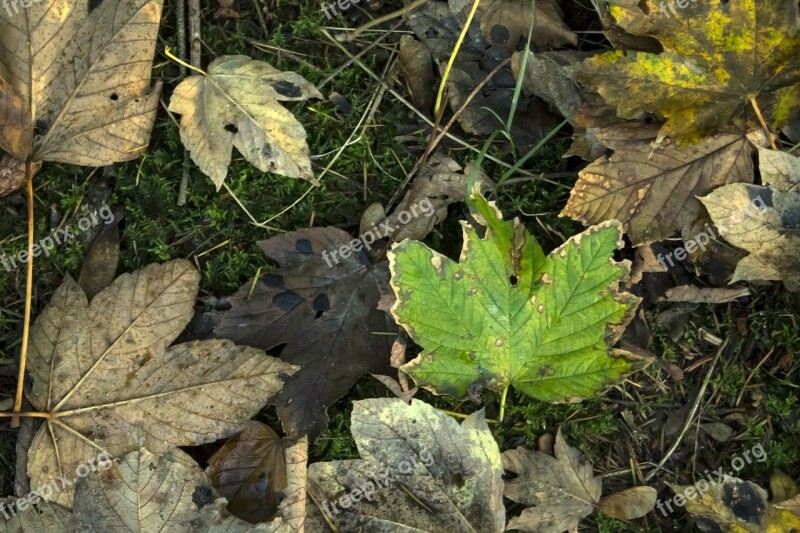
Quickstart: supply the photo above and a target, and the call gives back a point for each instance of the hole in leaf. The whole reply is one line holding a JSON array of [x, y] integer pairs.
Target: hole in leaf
[[231, 128], [114, 97], [513, 280]]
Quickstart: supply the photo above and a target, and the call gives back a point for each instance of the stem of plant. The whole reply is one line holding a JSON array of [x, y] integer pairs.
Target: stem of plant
[[26, 325], [503, 403]]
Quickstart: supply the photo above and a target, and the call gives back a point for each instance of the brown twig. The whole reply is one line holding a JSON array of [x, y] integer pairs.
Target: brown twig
[[763, 124]]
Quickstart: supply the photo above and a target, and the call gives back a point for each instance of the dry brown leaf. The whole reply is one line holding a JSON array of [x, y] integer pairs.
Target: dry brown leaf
[[506, 22], [236, 104], [652, 190], [103, 371], [101, 261], [253, 471], [75, 80], [44, 519], [12, 173], [562, 490], [547, 76], [417, 65], [441, 183], [144, 492], [714, 295]]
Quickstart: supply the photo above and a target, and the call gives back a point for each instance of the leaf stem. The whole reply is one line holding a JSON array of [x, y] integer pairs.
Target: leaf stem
[[169, 54], [31, 414], [26, 325], [503, 402], [763, 123]]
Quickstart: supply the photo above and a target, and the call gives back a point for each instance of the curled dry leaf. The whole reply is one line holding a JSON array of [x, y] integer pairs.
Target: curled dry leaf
[[104, 371], [417, 65], [256, 470], [322, 307], [419, 471], [506, 314], [236, 104], [562, 491], [75, 80], [763, 220], [652, 190]]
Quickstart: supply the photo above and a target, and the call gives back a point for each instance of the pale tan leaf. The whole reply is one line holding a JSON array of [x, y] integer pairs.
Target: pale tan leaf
[[42, 518], [779, 169], [652, 190], [419, 471], [763, 221], [77, 80], [629, 504], [103, 371], [144, 492], [236, 104]]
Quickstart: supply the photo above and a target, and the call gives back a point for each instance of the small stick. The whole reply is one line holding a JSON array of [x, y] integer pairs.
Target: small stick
[[763, 123], [194, 31]]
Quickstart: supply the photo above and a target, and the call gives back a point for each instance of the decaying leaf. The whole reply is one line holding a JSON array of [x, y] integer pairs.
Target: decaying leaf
[[417, 64], [104, 371], [419, 471], [562, 491], [717, 56], [236, 104], [733, 505], [12, 173], [101, 261], [652, 189], [547, 76], [322, 305], [438, 24], [506, 23], [253, 470], [169, 492], [763, 220], [75, 80], [506, 314], [441, 183], [42, 517]]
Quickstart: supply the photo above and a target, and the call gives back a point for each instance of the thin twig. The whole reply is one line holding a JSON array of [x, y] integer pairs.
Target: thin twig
[[692, 413], [763, 124], [26, 324], [196, 61]]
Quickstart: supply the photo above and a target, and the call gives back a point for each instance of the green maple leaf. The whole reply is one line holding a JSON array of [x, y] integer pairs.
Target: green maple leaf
[[718, 56], [506, 314]]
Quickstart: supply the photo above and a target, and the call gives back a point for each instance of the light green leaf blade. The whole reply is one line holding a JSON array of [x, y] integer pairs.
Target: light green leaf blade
[[506, 314]]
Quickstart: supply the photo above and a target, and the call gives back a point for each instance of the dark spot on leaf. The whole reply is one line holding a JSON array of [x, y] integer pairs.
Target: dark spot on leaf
[[513, 280], [231, 128], [743, 501], [93, 4], [40, 127], [303, 246], [321, 304], [457, 480], [273, 281], [287, 300], [202, 496], [760, 198], [431, 33], [287, 89], [499, 34], [114, 97], [266, 151]]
